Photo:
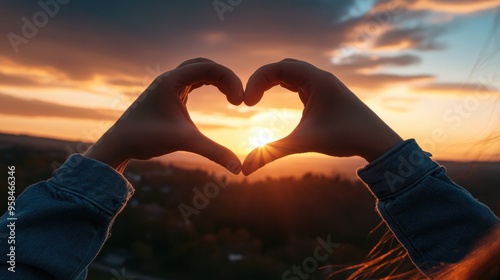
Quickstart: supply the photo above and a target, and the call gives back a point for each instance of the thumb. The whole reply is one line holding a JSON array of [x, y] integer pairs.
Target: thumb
[[210, 149], [271, 152]]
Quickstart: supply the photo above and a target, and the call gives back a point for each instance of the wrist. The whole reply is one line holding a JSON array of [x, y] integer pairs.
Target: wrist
[[380, 145], [108, 154]]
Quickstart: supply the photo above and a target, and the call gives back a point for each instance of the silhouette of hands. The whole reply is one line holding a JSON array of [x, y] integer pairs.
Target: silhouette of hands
[[334, 121], [158, 122]]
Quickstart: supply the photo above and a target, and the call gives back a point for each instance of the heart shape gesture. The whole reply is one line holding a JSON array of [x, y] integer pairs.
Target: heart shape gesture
[[334, 121]]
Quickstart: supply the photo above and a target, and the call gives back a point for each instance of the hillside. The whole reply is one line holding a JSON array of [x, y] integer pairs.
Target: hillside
[[250, 230]]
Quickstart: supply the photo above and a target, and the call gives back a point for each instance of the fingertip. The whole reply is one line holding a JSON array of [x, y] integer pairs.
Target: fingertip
[[236, 97], [250, 165], [204, 146], [234, 91], [233, 100], [250, 102], [228, 160], [259, 82], [252, 94], [264, 155], [201, 71], [234, 166], [236, 103], [247, 172]]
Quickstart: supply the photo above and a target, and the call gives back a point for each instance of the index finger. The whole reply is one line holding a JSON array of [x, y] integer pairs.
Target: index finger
[[210, 73], [289, 73]]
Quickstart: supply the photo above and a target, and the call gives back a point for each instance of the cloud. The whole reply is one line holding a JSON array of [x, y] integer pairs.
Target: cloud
[[456, 88], [455, 6], [122, 38], [398, 104], [442, 6], [419, 38], [373, 62], [124, 44], [212, 126], [10, 105], [361, 71], [373, 82], [9, 80], [394, 25]]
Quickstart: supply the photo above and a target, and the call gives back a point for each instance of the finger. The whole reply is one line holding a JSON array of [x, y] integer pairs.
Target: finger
[[195, 60], [293, 60], [210, 73], [197, 85], [271, 152], [302, 95], [206, 147], [293, 88], [291, 74]]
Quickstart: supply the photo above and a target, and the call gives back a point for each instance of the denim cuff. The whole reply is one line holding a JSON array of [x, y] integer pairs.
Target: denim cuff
[[399, 169], [93, 181]]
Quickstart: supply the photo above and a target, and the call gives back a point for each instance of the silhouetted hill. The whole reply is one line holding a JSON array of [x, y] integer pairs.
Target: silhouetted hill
[[245, 230], [39, 143]]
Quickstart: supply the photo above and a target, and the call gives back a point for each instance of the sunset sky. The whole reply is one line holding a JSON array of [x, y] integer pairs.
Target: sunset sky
[[429, 68]]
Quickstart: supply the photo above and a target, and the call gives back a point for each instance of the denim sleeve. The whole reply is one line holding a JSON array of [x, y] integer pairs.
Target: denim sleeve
[[436, 220], [62, 223]]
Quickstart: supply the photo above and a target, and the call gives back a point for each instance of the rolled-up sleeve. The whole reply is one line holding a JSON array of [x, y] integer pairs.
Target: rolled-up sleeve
[[436, 220], [62, 223]]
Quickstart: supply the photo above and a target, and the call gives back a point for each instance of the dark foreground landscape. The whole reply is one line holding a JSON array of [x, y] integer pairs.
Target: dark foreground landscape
[[246, 230]]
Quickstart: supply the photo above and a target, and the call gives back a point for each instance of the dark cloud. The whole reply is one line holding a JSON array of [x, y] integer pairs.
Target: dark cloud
[[116, 37], [419, 38], [454, 88], [363, 61], [9, 80], [372, 82], [123, 40], [10, 105]]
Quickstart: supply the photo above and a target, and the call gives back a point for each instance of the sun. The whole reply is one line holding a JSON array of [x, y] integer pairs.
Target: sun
[[261, 137], [259, 144]]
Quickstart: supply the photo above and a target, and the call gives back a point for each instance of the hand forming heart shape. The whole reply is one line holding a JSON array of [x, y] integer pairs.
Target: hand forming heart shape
[[334, 121]]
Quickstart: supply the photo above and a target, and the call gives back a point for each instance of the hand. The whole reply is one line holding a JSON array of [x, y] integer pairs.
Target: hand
[[158, 122], [334, 121]]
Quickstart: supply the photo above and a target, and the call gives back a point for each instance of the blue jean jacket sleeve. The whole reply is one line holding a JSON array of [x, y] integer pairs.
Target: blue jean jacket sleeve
[[63, 222], [436, 220]]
